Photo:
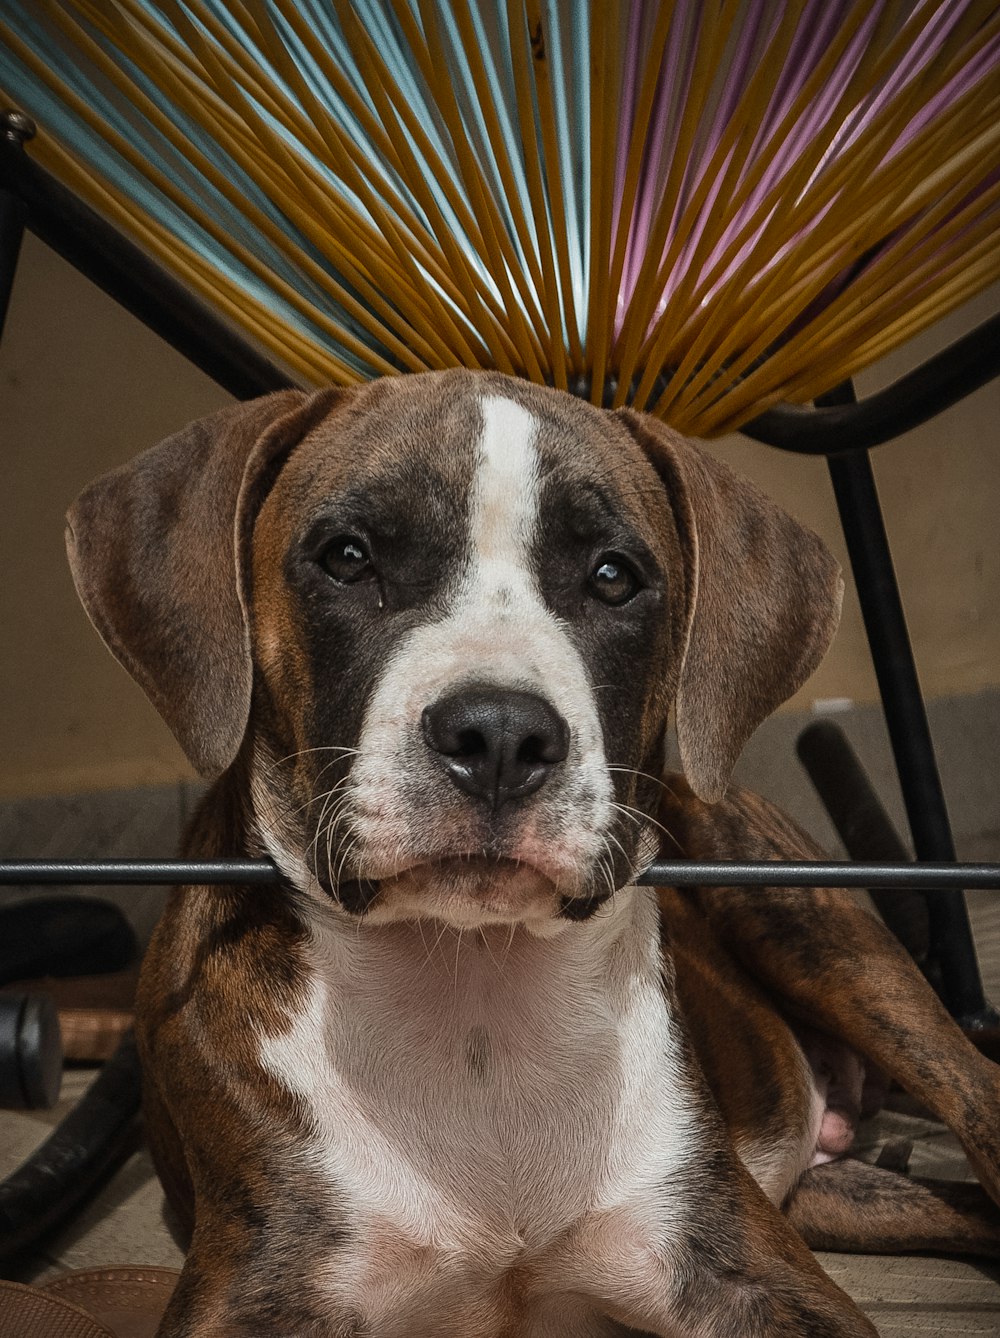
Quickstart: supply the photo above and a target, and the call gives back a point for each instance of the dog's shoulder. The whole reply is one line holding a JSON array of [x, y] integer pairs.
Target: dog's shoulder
[[743, 825], [229, 955]]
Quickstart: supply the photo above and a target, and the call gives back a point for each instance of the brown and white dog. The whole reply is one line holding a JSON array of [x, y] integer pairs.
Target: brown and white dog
[[456, 1076]]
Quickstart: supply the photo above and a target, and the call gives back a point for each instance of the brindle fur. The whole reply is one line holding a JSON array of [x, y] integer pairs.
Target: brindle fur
[[197, 563]]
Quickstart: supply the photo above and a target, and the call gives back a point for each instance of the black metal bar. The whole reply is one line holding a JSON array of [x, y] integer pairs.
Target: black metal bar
[[12, 215], [885, 624], [41, 873], [677, 873], [81, 236], [837, 427], [15, 128], [906, 718]]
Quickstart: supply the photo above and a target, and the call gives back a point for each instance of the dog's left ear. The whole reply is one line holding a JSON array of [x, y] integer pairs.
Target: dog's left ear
[[157, 549], [763, 602]]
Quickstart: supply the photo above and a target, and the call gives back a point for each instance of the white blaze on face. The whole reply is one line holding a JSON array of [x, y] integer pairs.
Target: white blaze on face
[[504, 516], [497, 631]]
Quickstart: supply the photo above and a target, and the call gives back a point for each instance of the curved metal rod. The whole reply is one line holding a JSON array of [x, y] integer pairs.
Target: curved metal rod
[[928, 390]]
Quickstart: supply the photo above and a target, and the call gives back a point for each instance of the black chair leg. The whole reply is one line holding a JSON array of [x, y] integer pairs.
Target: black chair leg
[[885, 624]]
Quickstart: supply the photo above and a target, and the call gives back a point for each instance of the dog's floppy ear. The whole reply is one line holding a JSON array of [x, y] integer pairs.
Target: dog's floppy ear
[[762, 604], [157, 552]]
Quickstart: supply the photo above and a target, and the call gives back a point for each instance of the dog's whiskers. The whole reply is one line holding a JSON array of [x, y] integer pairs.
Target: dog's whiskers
[[629, 808], [441, 933], [420, 930], [341, 753], [646, 775], [322, 798], [486, 945], [607, 865], [336, 802], [329, 814], [433, 948], [610, 836], [348, 846], [458, 949], [657, 780], [510, 940]]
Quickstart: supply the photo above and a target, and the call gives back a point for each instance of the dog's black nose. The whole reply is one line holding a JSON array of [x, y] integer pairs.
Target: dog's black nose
[[496, 743]]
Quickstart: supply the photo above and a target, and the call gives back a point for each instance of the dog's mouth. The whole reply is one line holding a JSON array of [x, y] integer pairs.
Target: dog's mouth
[[467, 889]]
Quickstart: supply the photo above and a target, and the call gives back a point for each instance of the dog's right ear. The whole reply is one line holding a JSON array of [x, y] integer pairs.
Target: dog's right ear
[[157, 550]]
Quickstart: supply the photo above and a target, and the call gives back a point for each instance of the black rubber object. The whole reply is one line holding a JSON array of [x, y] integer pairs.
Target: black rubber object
[[30, 1052], [91, 1142], [64, 936], [49, 936]]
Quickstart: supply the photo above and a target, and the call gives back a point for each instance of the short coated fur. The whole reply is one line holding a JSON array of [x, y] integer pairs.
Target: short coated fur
[[456, 1074]]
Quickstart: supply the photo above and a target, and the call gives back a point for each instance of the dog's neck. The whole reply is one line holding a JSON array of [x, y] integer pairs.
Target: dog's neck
[[484, 1103], [426, 957], [410, 1004], [435, 1042]]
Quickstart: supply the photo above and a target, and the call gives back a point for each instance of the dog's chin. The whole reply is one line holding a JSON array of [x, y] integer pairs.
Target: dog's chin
[[464, 891]]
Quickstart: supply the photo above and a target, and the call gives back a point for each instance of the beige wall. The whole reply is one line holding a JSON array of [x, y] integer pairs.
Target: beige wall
[[84, 387], [940, 493]]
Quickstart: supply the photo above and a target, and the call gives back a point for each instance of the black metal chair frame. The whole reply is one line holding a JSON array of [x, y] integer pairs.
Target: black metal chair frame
[[839, 427]]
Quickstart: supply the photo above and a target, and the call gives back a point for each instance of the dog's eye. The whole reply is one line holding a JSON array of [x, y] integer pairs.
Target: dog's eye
[[613, 581], [346, 560]]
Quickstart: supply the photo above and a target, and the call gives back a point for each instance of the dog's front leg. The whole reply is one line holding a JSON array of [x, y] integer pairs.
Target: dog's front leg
[[201, 1302], [837, 967], [714, 1258], [231, 1286]]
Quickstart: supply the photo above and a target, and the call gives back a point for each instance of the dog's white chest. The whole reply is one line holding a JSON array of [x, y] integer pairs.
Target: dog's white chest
[[493, 1131]]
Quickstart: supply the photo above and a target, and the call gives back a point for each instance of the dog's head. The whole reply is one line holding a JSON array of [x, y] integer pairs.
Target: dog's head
[[441, 621]]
